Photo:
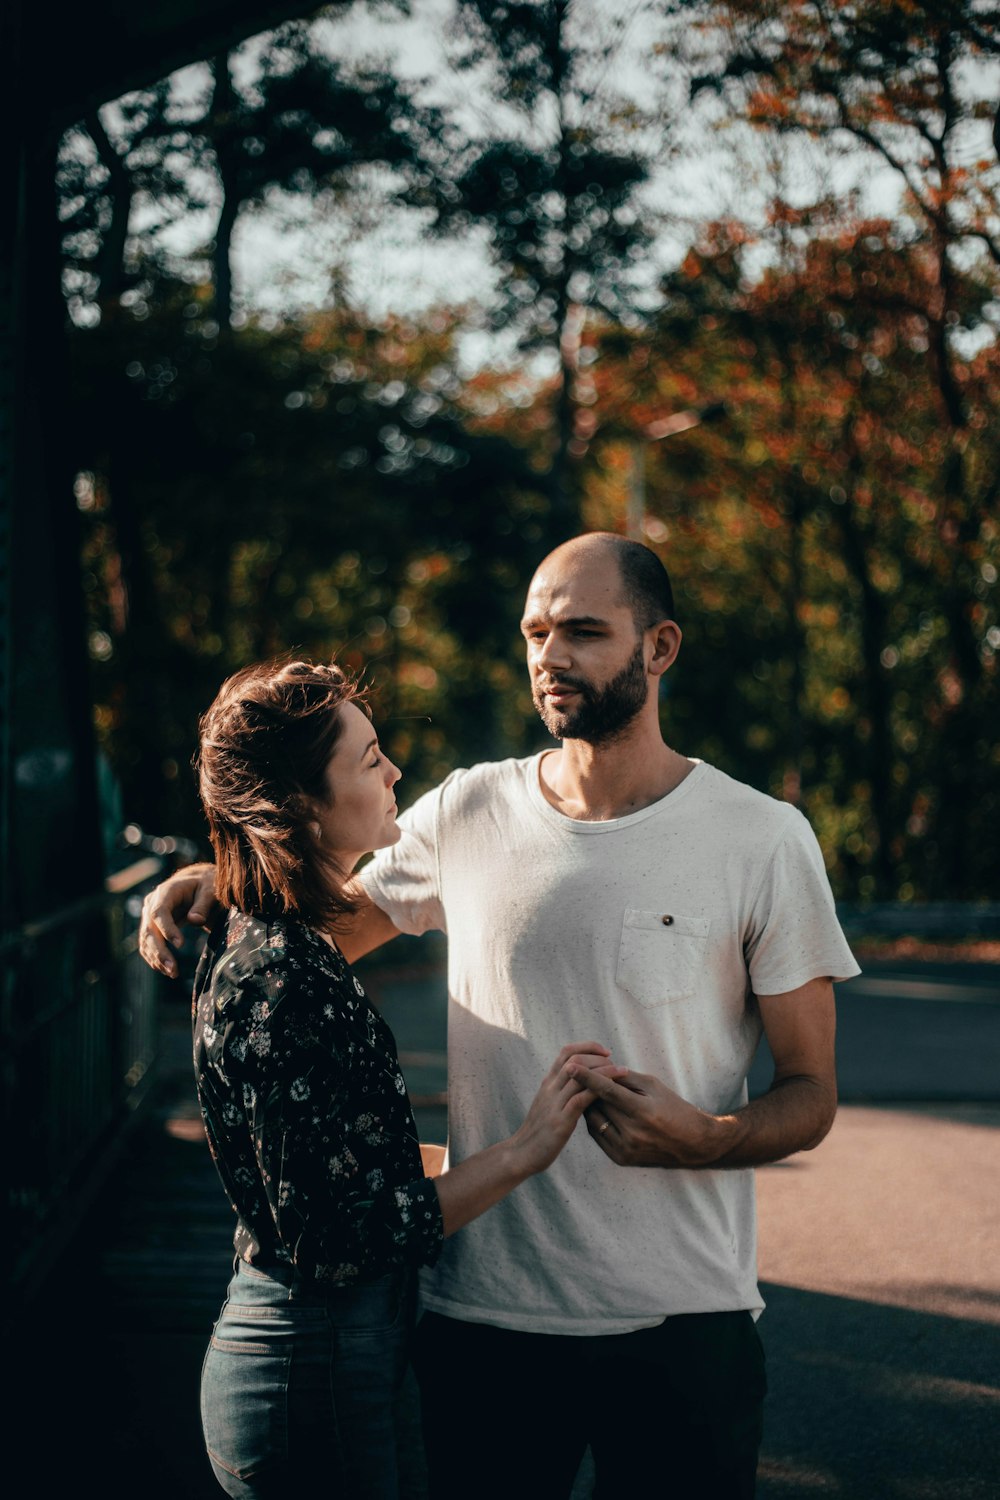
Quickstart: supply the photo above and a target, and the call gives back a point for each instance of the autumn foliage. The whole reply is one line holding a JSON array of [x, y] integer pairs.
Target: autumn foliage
[[350, 484]]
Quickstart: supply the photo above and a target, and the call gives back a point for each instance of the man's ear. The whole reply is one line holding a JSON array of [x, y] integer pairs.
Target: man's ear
[[666, 641]]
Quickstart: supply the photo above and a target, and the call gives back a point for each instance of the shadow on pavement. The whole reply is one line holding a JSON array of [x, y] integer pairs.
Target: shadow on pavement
[[871, 1403]]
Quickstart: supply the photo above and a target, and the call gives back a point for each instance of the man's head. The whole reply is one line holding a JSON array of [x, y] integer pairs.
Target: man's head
[[598, 622]]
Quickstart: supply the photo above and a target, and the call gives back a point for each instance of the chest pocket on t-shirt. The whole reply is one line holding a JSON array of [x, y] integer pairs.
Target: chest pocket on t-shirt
[[662, 955]]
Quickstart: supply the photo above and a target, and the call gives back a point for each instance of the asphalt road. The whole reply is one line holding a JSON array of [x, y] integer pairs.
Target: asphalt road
[[880, 1254], [879, 1251]]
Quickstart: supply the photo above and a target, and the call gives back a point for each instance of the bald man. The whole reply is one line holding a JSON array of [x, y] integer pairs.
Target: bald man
[[616, 885]]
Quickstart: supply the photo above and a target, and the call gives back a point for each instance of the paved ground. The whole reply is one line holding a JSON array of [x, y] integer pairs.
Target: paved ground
[[880, 1253], [880, 1257]]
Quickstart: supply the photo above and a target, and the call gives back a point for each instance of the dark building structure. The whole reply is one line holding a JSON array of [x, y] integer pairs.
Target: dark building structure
[[67, 1056]]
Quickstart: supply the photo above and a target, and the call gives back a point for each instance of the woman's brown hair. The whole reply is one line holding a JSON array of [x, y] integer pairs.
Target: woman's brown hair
[[265, 744]]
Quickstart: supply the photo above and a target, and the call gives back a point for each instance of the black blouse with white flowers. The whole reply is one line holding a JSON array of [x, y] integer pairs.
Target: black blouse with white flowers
[[306, 1109]]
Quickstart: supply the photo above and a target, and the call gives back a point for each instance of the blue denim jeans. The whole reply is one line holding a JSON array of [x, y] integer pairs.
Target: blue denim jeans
[[299, 1384]]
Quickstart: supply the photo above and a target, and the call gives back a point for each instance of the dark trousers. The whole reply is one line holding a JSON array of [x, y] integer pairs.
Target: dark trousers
[[672, 1411]]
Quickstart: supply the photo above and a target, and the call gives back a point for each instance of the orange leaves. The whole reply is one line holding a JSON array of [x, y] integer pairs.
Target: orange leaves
[[766, 105]]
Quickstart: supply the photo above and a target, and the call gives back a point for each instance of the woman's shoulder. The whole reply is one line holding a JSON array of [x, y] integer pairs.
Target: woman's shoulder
[[277, 954], [270, 988], [244, 945]]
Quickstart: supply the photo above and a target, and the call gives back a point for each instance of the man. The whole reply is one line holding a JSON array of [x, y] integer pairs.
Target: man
[[617, 885]]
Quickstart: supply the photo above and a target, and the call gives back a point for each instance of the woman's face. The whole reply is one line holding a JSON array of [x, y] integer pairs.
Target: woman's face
[[360, 811]]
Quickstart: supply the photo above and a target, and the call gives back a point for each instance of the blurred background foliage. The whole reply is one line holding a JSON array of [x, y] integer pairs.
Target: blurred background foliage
[[376, 476]]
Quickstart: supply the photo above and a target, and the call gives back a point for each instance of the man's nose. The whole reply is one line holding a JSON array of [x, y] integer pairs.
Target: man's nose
[[552, 654]]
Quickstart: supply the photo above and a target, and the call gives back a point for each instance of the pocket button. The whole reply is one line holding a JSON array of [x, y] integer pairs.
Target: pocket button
[[667, 921]]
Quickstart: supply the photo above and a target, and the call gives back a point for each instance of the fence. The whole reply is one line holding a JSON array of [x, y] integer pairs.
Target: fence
[[921, 919], [77, 1044]]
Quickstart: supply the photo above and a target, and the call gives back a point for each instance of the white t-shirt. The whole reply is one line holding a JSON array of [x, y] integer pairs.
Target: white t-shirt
[[556, 934]]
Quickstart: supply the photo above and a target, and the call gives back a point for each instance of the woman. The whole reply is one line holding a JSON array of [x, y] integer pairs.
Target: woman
[[305, 1107]]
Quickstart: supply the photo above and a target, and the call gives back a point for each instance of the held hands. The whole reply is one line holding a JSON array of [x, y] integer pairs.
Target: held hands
[[472, 1186], [556, 1108], [639, 1122], [188, 896]]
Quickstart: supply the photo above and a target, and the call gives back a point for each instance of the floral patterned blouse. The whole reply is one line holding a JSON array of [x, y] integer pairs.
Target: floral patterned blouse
[[306, 1109]]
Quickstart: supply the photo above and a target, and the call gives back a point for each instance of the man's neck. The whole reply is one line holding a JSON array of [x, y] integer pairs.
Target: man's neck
[[594, 783]]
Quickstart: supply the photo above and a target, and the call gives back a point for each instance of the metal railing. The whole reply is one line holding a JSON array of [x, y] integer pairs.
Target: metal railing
[[78, 1038], [922, 919]]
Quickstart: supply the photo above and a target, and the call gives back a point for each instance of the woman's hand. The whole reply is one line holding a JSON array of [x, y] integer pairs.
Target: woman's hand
[[188, 896], [556, 1109], [474, 1185]]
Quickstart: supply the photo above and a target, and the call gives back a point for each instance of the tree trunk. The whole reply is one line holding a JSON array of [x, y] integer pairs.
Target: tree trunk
[[111, 261], [874, 688], [225, 140], [564, 516]]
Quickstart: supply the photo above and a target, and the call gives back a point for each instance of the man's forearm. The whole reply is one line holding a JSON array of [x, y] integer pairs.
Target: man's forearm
[[189, 897], [794, 1115], [367, 929], [638, 1121]]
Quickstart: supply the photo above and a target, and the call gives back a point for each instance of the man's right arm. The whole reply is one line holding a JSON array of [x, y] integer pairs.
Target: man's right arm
[[368, 929], [189, 898]]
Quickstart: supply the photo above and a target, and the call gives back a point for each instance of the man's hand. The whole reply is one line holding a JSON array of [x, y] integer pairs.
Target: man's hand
[[639, 1122], [188, 896]]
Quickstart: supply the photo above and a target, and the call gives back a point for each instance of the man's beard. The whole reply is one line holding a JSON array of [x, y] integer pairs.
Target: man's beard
[[603, 713]]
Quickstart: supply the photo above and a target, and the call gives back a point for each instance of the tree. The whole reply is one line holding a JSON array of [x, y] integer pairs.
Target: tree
[[307, 126], [296, 122], [802, 536], [113, 167], [896, 80], [555, 178], [320, 487]]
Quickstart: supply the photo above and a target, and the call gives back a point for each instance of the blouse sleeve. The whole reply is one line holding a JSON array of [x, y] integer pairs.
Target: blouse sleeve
[[335, 1150]]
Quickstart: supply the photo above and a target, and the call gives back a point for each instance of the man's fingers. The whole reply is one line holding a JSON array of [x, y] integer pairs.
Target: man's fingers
[[165, 925], [637, 1083], [159, 932], [593, 1064], [204, 899], [602, 1129], [598, 1123], [584, 1049], [612, 1091], [155, 950], [191, 891], [593, 1050]]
